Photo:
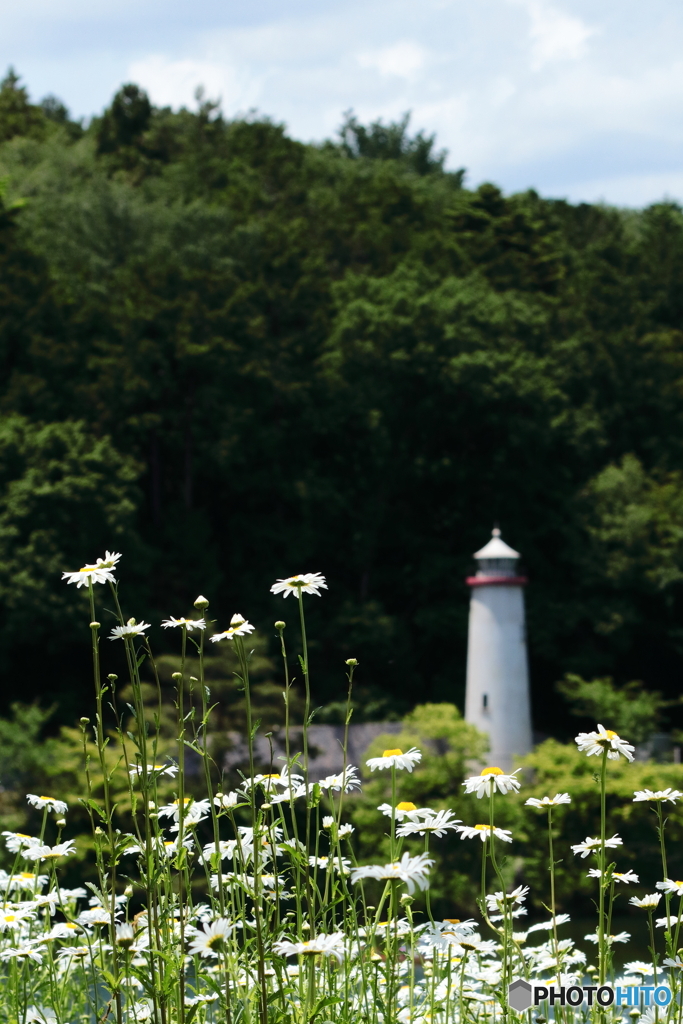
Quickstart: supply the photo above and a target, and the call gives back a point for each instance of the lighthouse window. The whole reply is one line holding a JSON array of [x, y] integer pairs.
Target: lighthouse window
[[485, 701]]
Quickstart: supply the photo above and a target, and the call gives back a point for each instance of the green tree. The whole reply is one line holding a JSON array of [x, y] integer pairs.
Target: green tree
[[17, 115]]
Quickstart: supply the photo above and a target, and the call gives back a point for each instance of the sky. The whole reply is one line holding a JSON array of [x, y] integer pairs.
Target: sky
[[581, 99]]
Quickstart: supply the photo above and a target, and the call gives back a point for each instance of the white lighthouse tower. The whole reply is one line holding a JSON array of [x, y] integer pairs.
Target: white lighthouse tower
[[497, 697]]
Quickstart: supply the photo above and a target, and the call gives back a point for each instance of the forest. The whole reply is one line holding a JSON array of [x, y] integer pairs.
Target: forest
[[234, 356]]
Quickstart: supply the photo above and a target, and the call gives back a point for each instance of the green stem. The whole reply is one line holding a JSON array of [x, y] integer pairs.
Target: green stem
[[602, 946]]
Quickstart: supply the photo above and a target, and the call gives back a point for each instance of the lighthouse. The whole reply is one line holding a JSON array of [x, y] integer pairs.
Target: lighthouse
[[497, 695]]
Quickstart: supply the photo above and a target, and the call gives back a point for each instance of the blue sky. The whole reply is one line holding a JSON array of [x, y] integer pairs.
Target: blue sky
[[577, 98]]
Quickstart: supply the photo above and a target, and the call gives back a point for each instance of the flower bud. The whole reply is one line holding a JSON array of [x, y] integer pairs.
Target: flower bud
[[351, 662], [112, 677], [84, 721], [266, 807], [176, 676], [280, 625], [60, 822], [201, 603], [128, 891], [95, 625]]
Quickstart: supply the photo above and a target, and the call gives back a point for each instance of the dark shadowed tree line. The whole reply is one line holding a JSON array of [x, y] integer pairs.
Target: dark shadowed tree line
[[234, 357]]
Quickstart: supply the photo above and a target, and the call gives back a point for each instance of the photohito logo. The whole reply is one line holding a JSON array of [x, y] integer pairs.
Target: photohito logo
[[522, 995]]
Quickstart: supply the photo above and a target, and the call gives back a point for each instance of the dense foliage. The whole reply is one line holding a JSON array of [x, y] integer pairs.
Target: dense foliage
[[244, 357]]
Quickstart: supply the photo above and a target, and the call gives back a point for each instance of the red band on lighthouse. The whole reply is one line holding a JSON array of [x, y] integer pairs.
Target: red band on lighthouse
[[496, 581]]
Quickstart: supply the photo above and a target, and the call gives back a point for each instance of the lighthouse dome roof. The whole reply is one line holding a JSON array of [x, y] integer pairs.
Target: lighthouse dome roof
[[496, 548]]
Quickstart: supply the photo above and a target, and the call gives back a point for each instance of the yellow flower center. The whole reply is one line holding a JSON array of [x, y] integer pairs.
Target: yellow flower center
[[406, 805], [492, 771], [45, 798], [26, 874], [392, 753], [10, 917], [452, 920], [611, 735], [215, 942], [679, 884], [482, 828], [275, 775]]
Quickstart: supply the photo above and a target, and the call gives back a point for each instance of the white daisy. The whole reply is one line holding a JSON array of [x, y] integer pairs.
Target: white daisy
[[143, 1011], [619, 937], [491, 779], [211, 940], [483, 832], [663, 922], [64, 930], [345, 830], [405, 809], [41, 852], [224, 851], [395, 758], [331, 863], [647, 902], [68, 953], [125, 935], [639, 967], [325, 945], [37, 1015], [16, 841], [304, 583], [328, 821], [672, 795], [548, 925], [173, 810], [499, 900], [26, 952], [238, 627], [169, 769], [189, 624], [669, 885], [549, 801], [670, 962], [13, 917], [438, 824], [619, 876], [100, 572], [411, 870], [593, 845], [41, 802], [604, 739], [130, 630], [346, 780], [226, 800]]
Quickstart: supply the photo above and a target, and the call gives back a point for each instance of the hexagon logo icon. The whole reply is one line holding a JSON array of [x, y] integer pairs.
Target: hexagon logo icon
[[519, 995]]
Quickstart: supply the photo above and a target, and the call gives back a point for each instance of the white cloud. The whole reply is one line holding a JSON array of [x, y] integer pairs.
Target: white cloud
[[622, 190], [584, 93], [554, 35], [174, 82], [402, 60]]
